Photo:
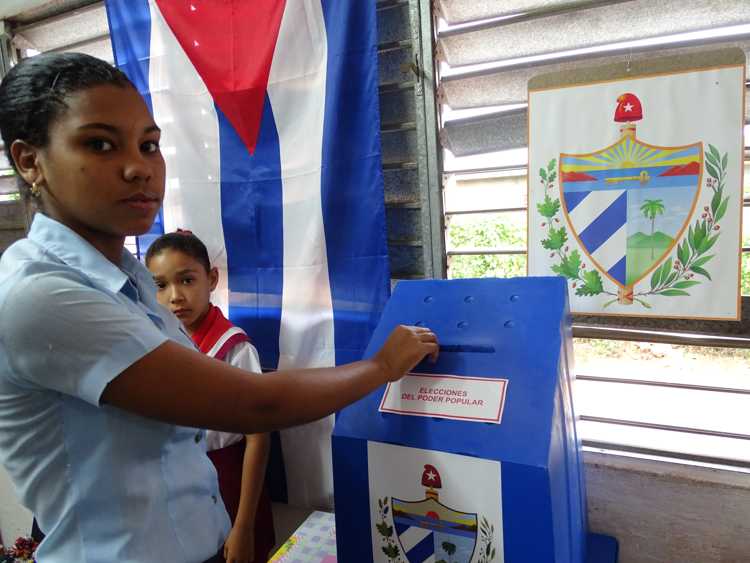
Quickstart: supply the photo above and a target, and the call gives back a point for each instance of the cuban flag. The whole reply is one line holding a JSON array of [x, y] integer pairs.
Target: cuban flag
[[270, 122]]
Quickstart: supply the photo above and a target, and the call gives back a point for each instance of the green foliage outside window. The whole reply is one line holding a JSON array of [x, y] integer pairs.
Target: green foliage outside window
[[486, 233], [496, 233]]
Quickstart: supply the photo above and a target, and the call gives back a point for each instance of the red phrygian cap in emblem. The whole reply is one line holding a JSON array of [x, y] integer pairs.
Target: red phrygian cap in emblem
[[431, 477], [628, 108]]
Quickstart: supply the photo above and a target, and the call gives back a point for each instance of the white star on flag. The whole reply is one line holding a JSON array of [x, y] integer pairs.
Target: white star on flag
[[431, 476], [628, 107]]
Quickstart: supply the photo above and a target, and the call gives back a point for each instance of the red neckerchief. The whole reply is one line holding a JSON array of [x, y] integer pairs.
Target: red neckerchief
[[213, 327]]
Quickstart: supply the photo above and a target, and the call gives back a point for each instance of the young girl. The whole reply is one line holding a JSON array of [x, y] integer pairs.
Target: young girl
[[185, 279], [101, 391]]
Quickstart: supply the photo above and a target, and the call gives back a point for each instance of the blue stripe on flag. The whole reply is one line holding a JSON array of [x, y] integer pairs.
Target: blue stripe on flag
[[251, 210], [606, 224], [352, 178], [130, 31], [423, 549], [572, 199], [400, 527], [618, 271]]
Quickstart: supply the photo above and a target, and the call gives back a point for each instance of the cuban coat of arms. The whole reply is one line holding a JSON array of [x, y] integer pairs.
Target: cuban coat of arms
[[441, 517], [648, 223]]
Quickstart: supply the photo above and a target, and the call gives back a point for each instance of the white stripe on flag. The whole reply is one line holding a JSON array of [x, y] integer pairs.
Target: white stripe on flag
[[184, 109], [591, 207], [613, 250], [296, 89], [412, 536], [430, 559]]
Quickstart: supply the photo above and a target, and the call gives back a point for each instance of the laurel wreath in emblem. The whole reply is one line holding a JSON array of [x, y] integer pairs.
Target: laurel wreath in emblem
[[566, 263], [676, 274], [389, 547]]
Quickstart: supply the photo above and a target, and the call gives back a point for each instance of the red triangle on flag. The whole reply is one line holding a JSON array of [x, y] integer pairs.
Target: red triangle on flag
[[231, 45]]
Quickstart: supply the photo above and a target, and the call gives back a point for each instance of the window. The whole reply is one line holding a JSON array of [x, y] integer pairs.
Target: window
[[679, 389]]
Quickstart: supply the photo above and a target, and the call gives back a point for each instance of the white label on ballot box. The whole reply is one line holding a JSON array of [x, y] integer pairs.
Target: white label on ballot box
[[457, 397]]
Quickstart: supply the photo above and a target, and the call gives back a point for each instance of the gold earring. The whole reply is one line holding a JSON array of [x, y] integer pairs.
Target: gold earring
[[36, 190]]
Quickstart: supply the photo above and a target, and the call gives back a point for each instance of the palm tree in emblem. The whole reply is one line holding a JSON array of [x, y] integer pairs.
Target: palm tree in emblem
[[651, 208], [450, 549]]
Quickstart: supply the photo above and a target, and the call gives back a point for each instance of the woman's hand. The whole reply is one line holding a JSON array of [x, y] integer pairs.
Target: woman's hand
[[240, 544], [191, 385], [405, 348]]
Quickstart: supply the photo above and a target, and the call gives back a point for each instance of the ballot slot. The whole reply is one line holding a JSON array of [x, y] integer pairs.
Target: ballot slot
[[456, 348]]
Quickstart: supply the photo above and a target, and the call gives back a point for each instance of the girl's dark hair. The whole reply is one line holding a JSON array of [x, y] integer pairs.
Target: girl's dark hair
[[182, 241], [33, 93]]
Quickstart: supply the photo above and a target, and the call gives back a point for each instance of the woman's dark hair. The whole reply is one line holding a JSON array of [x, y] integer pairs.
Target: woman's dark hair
[[182, 241], [33, 93]]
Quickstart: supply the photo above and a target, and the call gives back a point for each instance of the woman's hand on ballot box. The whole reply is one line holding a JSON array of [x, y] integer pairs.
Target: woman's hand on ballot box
[[405, 347], [191, 385]]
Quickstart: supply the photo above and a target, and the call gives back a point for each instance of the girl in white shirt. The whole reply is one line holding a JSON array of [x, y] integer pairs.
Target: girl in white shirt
[[185, 279]]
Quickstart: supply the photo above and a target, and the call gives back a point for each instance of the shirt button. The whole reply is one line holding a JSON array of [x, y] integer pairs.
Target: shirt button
[[198, 437]]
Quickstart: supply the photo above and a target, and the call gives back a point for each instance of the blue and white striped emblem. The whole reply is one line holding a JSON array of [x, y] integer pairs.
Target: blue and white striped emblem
[[428, 531], [628, 203]]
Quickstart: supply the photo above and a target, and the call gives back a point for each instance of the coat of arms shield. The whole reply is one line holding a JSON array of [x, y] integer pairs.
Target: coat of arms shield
[[428, 528], [629, 203], [413, 524]]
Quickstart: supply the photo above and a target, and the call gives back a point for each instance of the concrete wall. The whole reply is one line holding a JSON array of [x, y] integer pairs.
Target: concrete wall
[[669, 513]]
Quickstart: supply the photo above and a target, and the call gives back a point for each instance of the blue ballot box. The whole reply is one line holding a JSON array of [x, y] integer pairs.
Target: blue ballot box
[[474, 458]]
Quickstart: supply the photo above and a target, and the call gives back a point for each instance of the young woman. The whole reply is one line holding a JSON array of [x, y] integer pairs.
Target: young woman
[[185, 279], [101, 392]]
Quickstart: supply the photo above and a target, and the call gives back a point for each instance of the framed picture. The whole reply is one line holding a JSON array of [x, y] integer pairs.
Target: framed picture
[[635, 186]]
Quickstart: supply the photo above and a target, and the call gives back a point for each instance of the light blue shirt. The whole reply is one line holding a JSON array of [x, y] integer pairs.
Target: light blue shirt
[[105, 484]]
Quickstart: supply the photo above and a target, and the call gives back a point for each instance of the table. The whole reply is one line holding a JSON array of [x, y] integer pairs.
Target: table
[[313, 542]]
